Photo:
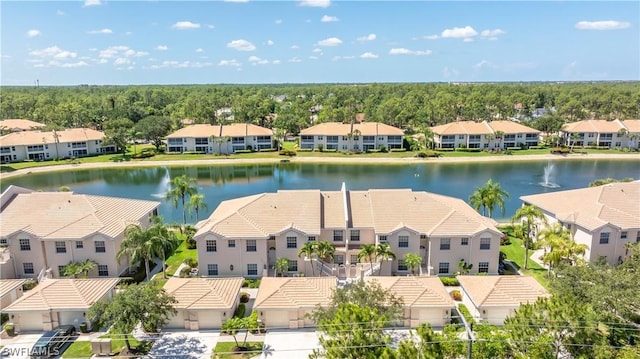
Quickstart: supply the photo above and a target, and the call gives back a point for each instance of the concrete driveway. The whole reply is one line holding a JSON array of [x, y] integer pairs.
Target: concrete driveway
[[289, 344], [184, 345], [19, 346]]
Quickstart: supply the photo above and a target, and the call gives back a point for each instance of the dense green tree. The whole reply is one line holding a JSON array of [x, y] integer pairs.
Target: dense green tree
[[74, 269], [118, 133], [154, 129], [488, 197]]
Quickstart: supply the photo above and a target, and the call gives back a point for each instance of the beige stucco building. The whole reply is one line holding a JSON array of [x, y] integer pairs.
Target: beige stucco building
[[616, 133], [245, 236], [17, 125], [470, 134], [43, 231], [351, 136], [605, 218], [220, 138], [10, 291]]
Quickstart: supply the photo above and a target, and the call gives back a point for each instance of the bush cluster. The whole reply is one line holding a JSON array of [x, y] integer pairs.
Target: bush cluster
[[396, 149], [560, 150], [287, 153], [450, 281], [244, 297], [240, 311], [456, 295], [251, 283]]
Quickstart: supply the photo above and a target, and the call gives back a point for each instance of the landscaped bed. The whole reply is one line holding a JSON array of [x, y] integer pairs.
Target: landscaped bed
[[82, 349], [228, 350]]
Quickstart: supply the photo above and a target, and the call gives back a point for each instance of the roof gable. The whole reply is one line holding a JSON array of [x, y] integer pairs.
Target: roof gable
[[204, 293], [502, 291], [296, 292]]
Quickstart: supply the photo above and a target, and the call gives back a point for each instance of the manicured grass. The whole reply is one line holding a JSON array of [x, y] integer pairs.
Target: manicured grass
[[82, 349], [178, 256], [224, 350], [515, 253]]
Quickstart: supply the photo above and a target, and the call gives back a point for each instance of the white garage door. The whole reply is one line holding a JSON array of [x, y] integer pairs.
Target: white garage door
[[176, 322], [432, 316], [30, 321], [276, 319], [72, 318], [209, 319]]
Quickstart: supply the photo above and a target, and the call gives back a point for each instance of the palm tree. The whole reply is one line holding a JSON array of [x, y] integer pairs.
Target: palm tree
[[499, 136], [196, 203], [356, 134], [477, 199], [279, 135], [383, 253], [72, 269], [428, 136], [163, 238], [561, 246], [532, 216], [325, 251], [181, 187], [282, 266], [368, 251], [144, 244], [412, 261], [488, 197], [87, 266], [307, 251]]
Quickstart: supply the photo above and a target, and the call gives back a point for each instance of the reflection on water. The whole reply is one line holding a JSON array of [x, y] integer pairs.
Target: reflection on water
[[223, 182]]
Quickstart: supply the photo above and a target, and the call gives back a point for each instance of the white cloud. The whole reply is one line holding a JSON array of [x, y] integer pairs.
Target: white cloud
[[313, 57], [131, 52], [210, 26], [103, 61], [180, 65], [295, 59], [54, 52], [276, 62], [162, 47], [484, 64], [332, 41], [241, 45], [403, 51], [294, 47], [328, 18], [60, 13], [33, 33], [128, 33], [336, 58], [199, 49], [602, 25], [68, 64], [431, 37], [492, 33], [121, 61], [100, 32], [278, 22], [467, 39], [231, 63], [120, 51], [92, 3], [368, 55], [185, 25], [317, 50], [459, 32], [315, 3], [256, 60], [269, 42], [369, 37]]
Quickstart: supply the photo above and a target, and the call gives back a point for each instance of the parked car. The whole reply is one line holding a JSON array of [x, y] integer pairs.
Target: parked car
[[51, 342]]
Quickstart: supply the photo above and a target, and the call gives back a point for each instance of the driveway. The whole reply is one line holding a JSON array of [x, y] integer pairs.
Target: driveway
[[19, 346], [184, 345], [289, 344]]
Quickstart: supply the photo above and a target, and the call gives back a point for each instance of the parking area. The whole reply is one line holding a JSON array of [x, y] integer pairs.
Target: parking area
[[19, 346], [289, 344], [184, 345]]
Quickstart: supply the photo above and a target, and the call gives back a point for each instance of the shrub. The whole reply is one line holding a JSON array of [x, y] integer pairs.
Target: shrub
[[305, 150], [504, 240], [144, 154], [516, 148], [191, 262], [251, 283], [30, 284], [84, 328], [320, 147], [185, 272], [464, 311], [456, 295], [4, 317], [287, 153], [559, 150], [372, 151], [462, 149], [267, 150], [397, 149], [244, 297], [242, 151], [450, 281], [536, 147], [191, 243], [10, 329], [239, 313], [446, 149], [383, 148], [425, 154]]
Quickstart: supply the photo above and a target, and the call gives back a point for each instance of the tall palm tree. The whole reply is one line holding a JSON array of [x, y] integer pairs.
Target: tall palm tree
[[356, 134], [196, 203], [412, 261], [72, 269], [181, 187], [488, 197], [383, 253], [142, 245], [499, 136], [307, 251], [163, 239], [325, 251], [531, 215], [561, 246], [279, 135], [368, 251], [478, 199]]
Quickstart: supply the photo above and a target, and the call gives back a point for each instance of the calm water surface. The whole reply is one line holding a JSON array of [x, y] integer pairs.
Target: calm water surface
[[222, 182]]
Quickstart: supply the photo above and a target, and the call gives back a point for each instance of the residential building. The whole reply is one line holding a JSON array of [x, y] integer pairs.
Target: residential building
[[10, 291], [285, 303], [203, 303], [245, 236], [351, 136], [485, 135], [492, 299], [16, 125], [43, 231], [220, 139], [602, 133], [39, 145], [605, 218], [425, 299], [56, 302]]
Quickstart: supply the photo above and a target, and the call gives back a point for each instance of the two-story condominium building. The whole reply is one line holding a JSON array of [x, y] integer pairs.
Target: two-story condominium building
[[220, 139], [351, 136], [38, 145], [614, 133], [605, 218], [487, 135], [245, 236], [43, 231], [17, 125]]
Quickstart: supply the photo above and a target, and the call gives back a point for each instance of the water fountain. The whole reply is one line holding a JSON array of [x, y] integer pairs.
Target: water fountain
[[547, 179]]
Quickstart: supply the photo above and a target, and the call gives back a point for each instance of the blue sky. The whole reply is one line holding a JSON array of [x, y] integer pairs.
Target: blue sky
[[166, 42]]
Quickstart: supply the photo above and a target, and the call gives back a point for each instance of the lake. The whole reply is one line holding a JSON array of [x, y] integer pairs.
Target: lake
[[222, 182]]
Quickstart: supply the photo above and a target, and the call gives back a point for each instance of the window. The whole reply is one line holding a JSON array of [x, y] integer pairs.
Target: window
[[461, 137], [231, 243], [338, 259], [252, 269], [604, 238], [403, 241], [292, 242], [483, 267], [103, 270], [423, 236], [3, 242], [251, 245], [79, 244], [100, 248], [485, 243], [212, 269], [445, 244], [28, 268], [443, 268], [382, 238], [272, 238], [337, 236], [61, 247], [464, 241], [293, 265], [354, 259], [25, 245], [355, 235], [212, 246], [623, 235], [402, 266], [311, 238]]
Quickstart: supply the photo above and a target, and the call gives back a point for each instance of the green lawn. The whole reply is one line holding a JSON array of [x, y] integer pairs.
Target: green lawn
[[224, 350], [515, 253], [178, 256], [82, 349]]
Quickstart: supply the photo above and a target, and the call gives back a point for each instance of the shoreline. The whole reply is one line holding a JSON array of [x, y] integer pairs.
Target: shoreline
[[331, 160]]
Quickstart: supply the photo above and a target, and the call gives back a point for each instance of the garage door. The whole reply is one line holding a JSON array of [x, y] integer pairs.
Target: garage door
[[30, 321], [209, 319], [432, 316], [176, 322], [276, 319]]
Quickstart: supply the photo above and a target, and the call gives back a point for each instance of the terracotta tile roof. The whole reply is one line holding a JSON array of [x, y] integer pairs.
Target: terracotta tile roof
[[233, 130], [39, 137], [63, 294], [342, 129], [510, 127], [292, 293], [593, 207], [632, 125], [481, 128], [70, 215], [204, 293], [601, 126], [20, 125], [417, 292], [8, 285], [502, 291]]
